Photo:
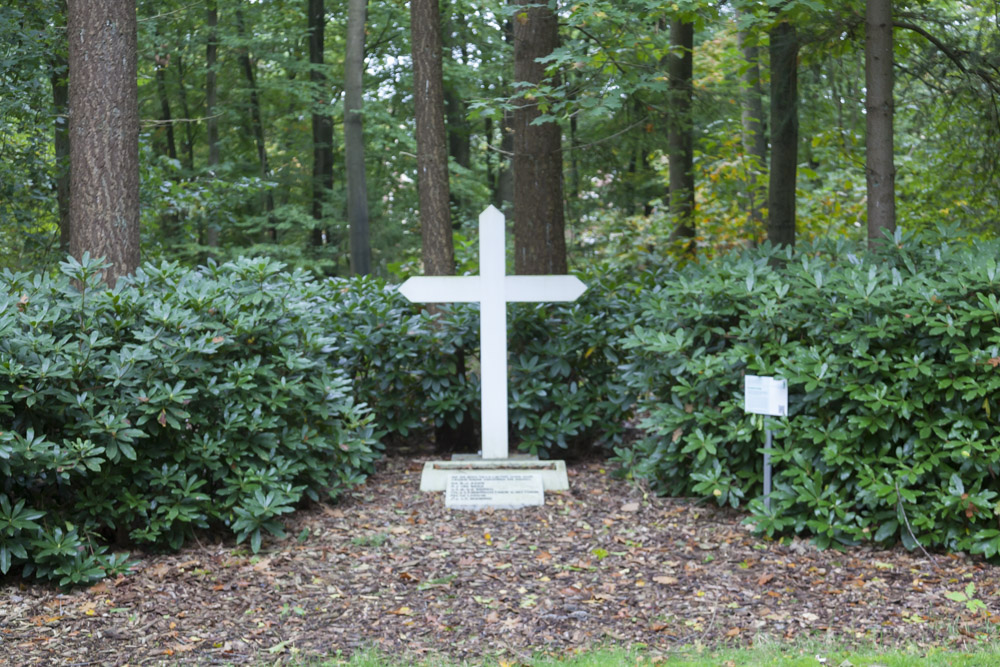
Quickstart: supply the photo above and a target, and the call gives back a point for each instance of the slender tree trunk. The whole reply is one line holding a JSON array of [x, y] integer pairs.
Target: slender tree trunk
[[256, 123], [104, 133], [505, 170], [166, 118], [680, 140], [879, 167], [754, 138], [539, 218], [60, 107], [188, 146], [322, 123], [354, 142], [784, 134], [503, 194], [211, 122], [432, 142]]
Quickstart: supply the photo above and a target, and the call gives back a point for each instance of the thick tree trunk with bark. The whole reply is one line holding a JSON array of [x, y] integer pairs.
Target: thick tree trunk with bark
[[784, 134], [354, 142], [437, 250], [322, 123], [879, 168], [539, 219], [754, 138], [211, 93], [680, 140], [104, 133]]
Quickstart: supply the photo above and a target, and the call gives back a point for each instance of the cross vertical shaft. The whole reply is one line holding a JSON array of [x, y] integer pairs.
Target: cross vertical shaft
[[493, 336]]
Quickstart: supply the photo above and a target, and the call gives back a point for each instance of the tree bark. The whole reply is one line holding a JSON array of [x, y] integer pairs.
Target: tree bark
[[354, 142], [539, 218], [753, 135], [104, 133], [437, 249], [256, 122], [784, 51], [322, 123], [879, 168], [680, 140], [211, 122]]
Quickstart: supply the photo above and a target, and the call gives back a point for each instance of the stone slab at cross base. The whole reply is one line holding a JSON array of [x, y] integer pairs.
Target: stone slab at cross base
[[436, 473]]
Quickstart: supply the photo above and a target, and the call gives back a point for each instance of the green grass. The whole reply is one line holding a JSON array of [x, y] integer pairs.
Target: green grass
[[811, 654]]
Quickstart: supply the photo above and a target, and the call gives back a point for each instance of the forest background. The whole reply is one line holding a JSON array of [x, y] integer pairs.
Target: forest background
[[244, 149]]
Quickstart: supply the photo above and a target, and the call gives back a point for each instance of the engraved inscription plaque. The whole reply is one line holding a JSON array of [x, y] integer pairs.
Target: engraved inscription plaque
[[477, 491]]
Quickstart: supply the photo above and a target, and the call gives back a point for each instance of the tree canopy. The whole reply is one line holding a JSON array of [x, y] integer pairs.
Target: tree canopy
[[234, 97]]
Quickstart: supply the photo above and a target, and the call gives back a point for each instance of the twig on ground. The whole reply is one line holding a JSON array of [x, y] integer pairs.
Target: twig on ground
[[906, 521]]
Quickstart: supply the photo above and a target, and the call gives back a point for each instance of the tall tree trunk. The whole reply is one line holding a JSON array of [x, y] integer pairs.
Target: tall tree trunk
[[504, 196], [256, 123], [322, 123], [60, 108], [784, 51], [354, 141], [539, 219], [879, 167], [680, 140], [162, 61], [754, 138], [104, 133], [186, 110], [211, 122], [437, 249]]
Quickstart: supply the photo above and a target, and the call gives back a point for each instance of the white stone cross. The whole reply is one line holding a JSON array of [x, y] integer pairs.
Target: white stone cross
[[493, 290]]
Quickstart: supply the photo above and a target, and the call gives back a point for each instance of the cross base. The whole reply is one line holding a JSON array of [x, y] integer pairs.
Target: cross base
[[435, 474]]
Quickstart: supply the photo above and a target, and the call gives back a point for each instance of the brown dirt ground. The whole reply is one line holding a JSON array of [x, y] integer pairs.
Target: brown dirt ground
[[603, 564]]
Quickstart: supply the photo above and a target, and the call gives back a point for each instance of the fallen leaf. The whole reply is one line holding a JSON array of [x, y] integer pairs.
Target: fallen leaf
[[402, 611], [630, 507], [159, 571], [764, 578], [732, 632], [665, 580], [543, 555]]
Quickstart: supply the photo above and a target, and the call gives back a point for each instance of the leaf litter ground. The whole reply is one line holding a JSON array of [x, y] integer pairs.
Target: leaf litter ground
[[602, 564]]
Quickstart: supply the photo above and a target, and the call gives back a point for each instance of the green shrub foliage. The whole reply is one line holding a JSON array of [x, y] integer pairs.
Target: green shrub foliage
[[418, 369], [223, 396], [892, 363], [181, 400]]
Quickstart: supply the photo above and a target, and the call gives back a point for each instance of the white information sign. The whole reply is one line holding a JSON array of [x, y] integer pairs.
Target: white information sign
[[477, 491], [493, 289], [765, 395]]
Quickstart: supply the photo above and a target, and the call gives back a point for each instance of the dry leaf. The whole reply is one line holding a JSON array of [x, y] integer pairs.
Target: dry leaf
[[630, 507], [543, 555], [764, 578], [665, 580], [732, 632]]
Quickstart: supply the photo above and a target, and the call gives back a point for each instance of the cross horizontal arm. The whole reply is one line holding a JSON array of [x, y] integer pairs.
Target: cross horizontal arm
[[543, 288], [442, 289]]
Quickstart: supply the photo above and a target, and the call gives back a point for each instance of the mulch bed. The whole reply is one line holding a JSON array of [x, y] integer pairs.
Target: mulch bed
[[605, 563]]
